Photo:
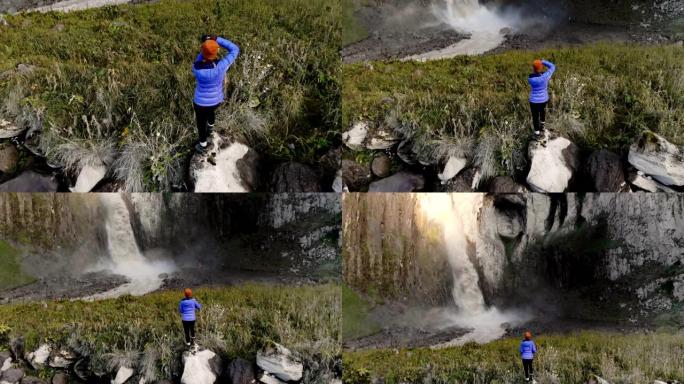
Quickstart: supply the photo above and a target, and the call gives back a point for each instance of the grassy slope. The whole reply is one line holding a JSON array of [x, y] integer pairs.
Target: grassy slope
[[117, 80], [355, 311], [352, 28], [613, 91], [618, 358], [11, 274], [236, 321]]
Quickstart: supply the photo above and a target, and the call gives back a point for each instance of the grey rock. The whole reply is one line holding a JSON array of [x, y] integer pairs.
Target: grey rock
[[399, 182], [241, 371], [505, 184], [32, 380], [280, 362], [605, 170], [356, 177], [656, 157], [381, 165], [466, 181], [30, 181], [12, 376], [552, 166], [294, 178], [17, 347], [60, 378]]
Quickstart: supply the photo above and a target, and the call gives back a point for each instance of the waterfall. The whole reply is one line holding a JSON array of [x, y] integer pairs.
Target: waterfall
[[126, 258], [458, 215], [482, 23]]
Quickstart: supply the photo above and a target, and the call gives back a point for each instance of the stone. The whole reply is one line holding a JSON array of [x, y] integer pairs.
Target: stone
[[25, 69], [646, 183], [89, 177], [280, 362], [226, 168], [553, 165], [466, 181], [356, 136], [59, 378], [338, 185], [12, 376], [122, 375], [382, 139], [356, 177], [241, 371], [82, 369], [505, 184], [381, 165], [453, 167], [656, 157], [294, 177], [39, 358], [9, 157], [9, 130], [399, 182], [605, 171], [17, 348], [265, 378], [6, 364], [405, 152], [62, 359], [203, 367], [30, 181]]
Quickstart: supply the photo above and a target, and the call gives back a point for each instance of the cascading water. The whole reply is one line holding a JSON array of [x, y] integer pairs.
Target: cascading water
[[483, 24], [125, 256], [458, 216]]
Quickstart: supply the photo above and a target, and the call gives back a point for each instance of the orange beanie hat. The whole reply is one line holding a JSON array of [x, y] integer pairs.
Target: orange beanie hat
[[538, 65], [210, 50], [188, 292], [528, 335]]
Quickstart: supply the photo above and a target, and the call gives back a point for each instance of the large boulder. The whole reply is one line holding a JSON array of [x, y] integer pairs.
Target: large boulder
[[241, 371], [203, 367], [505, 184], [356, 177], [122, 375], [294, 178], [553, 165], [280, 362], [646, 183], [605, 171], [9, 157], [30, 181], [356, 136], [656, 157], [360, 137], [89, 177], [9, 130], [39, 358], [453, 167], [399, 182], [228, 167], [12, 376]]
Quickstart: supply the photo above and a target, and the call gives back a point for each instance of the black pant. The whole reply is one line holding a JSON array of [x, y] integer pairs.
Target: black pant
[[205, 116], [189, 328], [538, 115], [529, 369]]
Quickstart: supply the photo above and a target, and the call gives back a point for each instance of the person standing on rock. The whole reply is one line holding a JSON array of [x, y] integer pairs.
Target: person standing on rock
[[187, 308], [539, 96], [527, 351], [210, 73]]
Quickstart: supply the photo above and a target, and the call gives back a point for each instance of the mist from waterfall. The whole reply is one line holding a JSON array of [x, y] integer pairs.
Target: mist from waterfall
[[457, 214], [126, 259]]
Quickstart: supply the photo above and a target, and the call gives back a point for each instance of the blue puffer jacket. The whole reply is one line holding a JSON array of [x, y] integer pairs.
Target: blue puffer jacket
[[527, 349], [540, 84], [209, 90], [187, 308]]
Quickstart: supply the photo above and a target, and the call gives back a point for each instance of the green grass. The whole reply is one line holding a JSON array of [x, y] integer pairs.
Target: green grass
[[11, 274], [115, 83], [356, 313], [569, 358], [235, 321], [603, 96]]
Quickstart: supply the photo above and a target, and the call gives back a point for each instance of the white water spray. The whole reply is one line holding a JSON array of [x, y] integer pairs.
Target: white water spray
[[126, 258], [458, 216], [482, 23]]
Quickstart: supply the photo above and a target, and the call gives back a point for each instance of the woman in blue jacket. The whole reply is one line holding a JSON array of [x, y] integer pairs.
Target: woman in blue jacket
[[210, 72], [539, 96], [527, 351], [187, 308]]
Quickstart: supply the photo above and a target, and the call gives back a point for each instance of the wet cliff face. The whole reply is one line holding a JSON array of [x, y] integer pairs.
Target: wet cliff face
[[605, 247]]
